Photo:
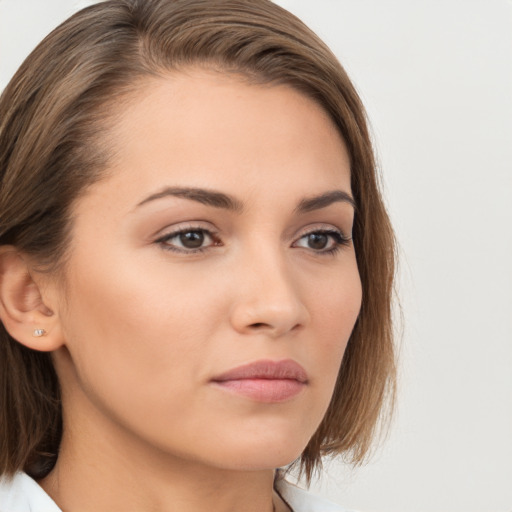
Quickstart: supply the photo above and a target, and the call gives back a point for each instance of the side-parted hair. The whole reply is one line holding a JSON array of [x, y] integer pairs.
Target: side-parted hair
[[54, 122]]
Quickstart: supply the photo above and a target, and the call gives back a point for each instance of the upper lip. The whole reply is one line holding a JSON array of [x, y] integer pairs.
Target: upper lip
[[266, 369]]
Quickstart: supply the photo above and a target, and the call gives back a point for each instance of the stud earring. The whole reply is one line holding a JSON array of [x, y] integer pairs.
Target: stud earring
[[39, 332]]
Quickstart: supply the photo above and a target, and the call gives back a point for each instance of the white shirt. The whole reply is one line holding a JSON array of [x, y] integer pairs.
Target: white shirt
[[23, 494]]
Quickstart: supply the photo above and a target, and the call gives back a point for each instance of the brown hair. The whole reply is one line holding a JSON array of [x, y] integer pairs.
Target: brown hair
[[52, 117]]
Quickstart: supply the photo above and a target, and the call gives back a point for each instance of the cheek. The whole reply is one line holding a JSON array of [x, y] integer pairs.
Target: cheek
[[130, 326], [335, 311], [138, 348]]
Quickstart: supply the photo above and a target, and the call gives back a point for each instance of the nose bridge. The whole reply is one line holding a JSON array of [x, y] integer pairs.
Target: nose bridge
[[268, 297]]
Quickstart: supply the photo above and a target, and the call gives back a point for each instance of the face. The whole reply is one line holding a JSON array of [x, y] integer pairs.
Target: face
[[212, 282]]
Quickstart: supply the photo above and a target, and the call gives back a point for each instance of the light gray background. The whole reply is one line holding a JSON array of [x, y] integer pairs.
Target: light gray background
[[436, 78]]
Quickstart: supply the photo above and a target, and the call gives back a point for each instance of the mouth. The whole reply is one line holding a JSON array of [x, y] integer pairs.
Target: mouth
[[264, 381]]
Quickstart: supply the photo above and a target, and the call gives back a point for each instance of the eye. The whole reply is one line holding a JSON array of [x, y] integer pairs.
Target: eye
[[325, 241], [188, 240]]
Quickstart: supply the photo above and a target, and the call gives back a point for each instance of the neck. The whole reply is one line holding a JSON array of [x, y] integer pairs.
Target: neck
[[124, 484], [107, 469]]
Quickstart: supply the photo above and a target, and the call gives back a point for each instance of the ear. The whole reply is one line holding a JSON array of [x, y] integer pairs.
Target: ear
[[23, 311]]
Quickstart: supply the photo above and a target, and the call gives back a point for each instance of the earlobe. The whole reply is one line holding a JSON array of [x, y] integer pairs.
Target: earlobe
[[22, 309]]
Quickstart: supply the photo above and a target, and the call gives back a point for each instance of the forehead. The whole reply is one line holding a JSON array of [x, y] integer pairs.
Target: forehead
[[207, 129]]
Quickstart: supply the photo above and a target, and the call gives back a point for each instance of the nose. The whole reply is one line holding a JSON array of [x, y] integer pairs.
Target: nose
[[268, 299]]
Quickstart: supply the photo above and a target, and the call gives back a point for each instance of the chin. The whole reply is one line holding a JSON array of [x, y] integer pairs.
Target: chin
[[270, 451]]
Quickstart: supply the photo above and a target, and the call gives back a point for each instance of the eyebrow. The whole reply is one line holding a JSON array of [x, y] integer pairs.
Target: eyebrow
[[207, 197], [324, 200], [227, 202]]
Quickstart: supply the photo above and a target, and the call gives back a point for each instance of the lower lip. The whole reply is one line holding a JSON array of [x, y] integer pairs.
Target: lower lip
[[264, 390]]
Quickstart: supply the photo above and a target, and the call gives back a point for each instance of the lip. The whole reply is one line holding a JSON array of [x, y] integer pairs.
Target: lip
[[264, 381]]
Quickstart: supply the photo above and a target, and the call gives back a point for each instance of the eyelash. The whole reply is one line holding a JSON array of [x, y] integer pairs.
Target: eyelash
[[338, 237], [340, 240]]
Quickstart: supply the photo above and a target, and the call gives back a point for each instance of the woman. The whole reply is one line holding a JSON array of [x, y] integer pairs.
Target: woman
[[196, 264]]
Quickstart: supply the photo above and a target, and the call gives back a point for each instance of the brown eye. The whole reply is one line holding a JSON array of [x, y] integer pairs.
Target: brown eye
[[322, 241], [192, 239], [317, 241], [188, 240]]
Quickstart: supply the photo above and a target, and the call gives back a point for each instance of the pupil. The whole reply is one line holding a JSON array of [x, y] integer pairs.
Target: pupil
[[317, 240], [192, 239]]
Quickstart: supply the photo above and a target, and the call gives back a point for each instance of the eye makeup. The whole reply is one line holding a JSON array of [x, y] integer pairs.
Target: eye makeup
[[197, 239]]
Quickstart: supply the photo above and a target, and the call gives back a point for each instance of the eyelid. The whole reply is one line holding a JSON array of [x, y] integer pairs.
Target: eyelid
[[338, 240], [179, 227], [325, 228], [171, 232]]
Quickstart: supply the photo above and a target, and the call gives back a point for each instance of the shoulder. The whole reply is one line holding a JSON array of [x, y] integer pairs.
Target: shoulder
[[22, 494], [303, 501]]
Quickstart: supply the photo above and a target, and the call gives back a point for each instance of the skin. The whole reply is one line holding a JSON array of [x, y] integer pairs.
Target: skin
[[140, 330]]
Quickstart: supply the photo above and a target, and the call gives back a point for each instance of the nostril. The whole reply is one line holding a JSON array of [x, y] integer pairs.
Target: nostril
[[258, 324]]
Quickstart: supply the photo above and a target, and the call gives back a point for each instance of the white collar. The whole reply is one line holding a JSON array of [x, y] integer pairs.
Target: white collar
[[23, 494]]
